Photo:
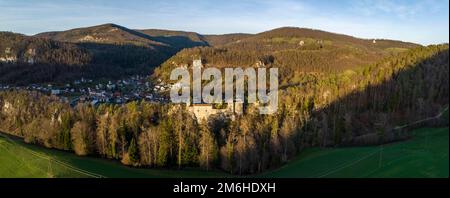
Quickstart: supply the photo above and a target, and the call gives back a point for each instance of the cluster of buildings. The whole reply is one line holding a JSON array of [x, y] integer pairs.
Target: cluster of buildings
[[119, 92], [125, 90], [96, 92]]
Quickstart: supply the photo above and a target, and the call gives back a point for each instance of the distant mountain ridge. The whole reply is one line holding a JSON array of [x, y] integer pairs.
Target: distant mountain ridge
[[129, 51], [154, 38], [295, 50], [116, 34], [106, 34], [27, 49], [335, 37]]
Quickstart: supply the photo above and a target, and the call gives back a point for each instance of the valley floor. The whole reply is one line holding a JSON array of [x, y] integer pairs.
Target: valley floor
[[426, 155]]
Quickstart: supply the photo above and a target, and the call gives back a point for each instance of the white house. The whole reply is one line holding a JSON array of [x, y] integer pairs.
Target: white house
[[55, 91]]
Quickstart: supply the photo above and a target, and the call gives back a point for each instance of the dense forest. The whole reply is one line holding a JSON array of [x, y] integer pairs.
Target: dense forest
[[94, 51], [295, 50], [358, 106], [35, 60], [89, 52], [36, 50]]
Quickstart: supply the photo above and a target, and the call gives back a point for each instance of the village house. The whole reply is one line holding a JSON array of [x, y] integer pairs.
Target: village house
[[55, 92]]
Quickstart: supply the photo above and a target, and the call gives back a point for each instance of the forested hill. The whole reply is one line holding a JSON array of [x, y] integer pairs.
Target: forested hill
[[293, 50], [223, 39], [369, 105], [29, 59], [172, 41], [176, 39], [104, 34], [337, 39], [115, 34], [112, 47], [99, 50], [26, 49]]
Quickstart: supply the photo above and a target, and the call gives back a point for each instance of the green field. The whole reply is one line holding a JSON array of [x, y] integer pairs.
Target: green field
[[18, 159], [426, 155]]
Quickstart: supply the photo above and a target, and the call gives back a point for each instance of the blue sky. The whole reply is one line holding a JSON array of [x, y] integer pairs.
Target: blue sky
[[420, 21]]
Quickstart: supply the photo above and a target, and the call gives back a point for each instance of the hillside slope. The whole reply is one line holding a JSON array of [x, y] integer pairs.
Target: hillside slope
[[113, 47], [104, 34], [176, 39], [372, 105], [223, 39], [424, 156], [26, 49], [25, 59], [99, 50], [293, 50]]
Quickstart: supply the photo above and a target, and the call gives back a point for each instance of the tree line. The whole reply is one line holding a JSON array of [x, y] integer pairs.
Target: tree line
[[357, 107], [40, 60], [295, 50]]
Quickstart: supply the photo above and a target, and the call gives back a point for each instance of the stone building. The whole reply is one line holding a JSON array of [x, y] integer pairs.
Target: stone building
[[204, 111]]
